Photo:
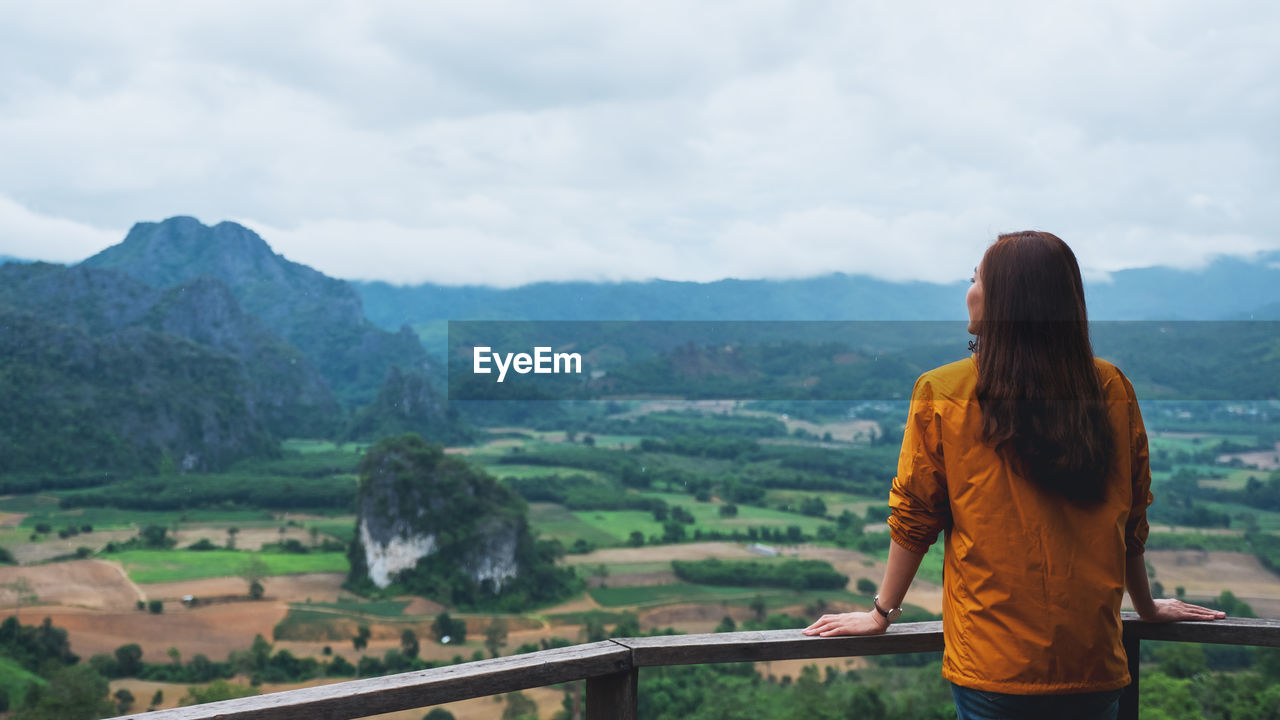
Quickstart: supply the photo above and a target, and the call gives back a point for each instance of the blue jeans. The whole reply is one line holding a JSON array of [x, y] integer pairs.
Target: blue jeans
[[982, 705]]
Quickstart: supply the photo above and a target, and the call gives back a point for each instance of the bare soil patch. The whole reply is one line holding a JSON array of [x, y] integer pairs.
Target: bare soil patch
[[213, 630], [1206, 574], [634, 579], [246, 538], [854, 564], [661, 553], [1261, 459], [318, 587], [35, 552], [94, 584]]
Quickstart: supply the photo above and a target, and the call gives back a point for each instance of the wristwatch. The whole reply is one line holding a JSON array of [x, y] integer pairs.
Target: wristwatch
[[889, 615]]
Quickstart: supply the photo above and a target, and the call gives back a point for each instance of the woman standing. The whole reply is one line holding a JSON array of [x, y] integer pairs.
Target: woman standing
[[1032, 457]]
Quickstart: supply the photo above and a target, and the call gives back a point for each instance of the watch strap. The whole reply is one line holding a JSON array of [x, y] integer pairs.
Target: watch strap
[[889, 615]]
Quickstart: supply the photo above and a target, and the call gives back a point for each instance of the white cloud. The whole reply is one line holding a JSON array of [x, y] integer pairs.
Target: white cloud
[[29, 235], [507, 142]]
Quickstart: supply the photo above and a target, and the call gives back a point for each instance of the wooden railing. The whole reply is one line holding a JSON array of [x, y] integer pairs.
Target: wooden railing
[[611, 669]]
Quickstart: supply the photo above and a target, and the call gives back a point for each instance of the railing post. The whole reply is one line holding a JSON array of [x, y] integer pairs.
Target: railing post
[[613, 697], [1129, 699]]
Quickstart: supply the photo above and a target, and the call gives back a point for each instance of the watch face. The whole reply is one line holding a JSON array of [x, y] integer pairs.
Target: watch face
[[894, 614]]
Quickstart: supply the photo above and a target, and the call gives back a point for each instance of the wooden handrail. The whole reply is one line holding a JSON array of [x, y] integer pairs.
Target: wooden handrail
[[610, 668]]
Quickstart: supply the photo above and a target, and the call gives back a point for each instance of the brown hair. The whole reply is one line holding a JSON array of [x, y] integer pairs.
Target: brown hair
[[1038, 388]]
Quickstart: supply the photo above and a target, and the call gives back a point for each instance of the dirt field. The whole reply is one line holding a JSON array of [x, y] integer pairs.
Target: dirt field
[[318, 587], [1261, 459], [685, 551], [34, 552], [1206, 574], [93, 584], [213, 630], [849, 562], [854, 564], [246, 538]]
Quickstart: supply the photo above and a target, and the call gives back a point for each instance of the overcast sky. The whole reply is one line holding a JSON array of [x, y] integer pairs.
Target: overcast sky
[[504, 143]]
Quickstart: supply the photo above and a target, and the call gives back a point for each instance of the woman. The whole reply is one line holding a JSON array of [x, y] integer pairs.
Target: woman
[[1032, 457]]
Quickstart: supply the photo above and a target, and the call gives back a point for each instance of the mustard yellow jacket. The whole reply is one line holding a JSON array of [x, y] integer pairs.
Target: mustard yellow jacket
[[1032, 583]]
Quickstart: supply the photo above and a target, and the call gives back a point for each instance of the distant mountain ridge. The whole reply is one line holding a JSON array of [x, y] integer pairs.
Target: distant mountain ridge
[[1228, 288], [191, 347], [323, 317]]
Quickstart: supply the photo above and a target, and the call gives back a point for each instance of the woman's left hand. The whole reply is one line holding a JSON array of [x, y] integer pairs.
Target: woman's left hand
[[853, 623]]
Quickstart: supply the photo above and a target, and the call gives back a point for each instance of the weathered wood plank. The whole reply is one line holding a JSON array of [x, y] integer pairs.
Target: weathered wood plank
[[372, 696], [613, 697], [614, 662], [1227, 631], [778, 645]]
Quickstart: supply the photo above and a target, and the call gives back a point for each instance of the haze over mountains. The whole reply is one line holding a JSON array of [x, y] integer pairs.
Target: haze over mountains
[[192, 346], [1228, 288]]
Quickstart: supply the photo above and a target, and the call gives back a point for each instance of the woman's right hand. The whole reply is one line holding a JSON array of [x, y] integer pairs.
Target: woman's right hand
[[1173, 610]]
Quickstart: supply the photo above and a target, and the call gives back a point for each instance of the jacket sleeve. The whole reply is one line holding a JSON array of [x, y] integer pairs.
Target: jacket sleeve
[[1136, 528], [918, 500]]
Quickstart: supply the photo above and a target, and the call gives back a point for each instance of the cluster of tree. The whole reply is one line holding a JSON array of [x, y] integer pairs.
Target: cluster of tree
[[673, 424], [219, 491], [30, 483], [621, 465], [744, 479], [1190, 681], [790, 574], [713, 446], [34, 646], [579, 492], [707, 692], [311, 464], [55, 686], [150, 537], [1183, 488]]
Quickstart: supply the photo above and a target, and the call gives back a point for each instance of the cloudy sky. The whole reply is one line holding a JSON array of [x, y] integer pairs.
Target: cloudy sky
[[503, 143]]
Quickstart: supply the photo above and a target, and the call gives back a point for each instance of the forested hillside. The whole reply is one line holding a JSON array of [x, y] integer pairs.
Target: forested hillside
[[320, 316], [192, 347]]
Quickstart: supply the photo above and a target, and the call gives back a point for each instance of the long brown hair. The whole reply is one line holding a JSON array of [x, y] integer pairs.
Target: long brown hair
[[1038, 388]]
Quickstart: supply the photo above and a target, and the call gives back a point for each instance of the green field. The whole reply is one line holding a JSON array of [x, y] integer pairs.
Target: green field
[[536, 471], [617, 442], [341, 528], [635, 567], [619, 524], [582, 618], [836, 502], [555, 522], [152, 566], [1158, 441]]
